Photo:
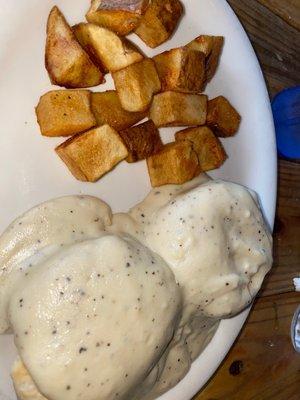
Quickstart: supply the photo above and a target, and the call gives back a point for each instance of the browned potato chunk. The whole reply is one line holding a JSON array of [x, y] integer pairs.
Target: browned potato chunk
[[202, 43], [142, 141], [106, 48], [66, 62], [208, 147], [211, 46], [136, 85], [178, 109], [119, 16], [65, 112], [176, 163], [107, 109], [222, 117], [159, 21], [181, 70], [92, 154]]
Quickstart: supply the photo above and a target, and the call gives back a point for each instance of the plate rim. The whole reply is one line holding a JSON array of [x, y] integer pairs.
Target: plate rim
[[195, 387]]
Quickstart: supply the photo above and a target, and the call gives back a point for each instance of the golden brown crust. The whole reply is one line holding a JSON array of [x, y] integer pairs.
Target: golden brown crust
[[176, 163], [136, 85], [222, 117], [212, 47], [213, 59], [92, 154], [107, 109], [65, 112], [65, 60], [142, 141], [181, 70], [159, 21], [208, 147], [178, 109], [106, 48], [119, 20], [23, 383]]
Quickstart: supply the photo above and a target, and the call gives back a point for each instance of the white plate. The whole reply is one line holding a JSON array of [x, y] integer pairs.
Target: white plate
[[30, 171]]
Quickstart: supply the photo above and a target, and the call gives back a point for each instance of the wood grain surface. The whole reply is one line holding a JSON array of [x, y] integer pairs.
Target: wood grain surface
[[277, 43], [289, 10], [286, 233], [262, 365]]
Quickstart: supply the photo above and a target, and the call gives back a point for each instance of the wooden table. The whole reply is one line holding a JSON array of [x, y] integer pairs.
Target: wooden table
[[263, 365]]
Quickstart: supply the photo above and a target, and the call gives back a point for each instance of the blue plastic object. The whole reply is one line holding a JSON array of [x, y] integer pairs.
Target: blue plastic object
[[286, 112]]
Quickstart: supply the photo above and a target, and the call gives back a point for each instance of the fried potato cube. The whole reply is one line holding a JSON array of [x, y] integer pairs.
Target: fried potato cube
[[212, 47], [107, 109], [65, 112], [208, 147], [66, 62], [136, 85], [106, 48], [181, 70], [142, 141], [159, 21], [222, 117], [92, 154], [176, 163], [178, 109], [118, 16]]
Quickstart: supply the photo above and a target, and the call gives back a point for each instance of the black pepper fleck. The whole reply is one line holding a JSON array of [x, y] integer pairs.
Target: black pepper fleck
[[82, 349]]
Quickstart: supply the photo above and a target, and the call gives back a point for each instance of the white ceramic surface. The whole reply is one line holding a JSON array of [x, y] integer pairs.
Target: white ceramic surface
[[30, 171]]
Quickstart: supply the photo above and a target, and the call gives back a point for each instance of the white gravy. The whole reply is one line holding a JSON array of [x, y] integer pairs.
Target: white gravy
[[118, 307]]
